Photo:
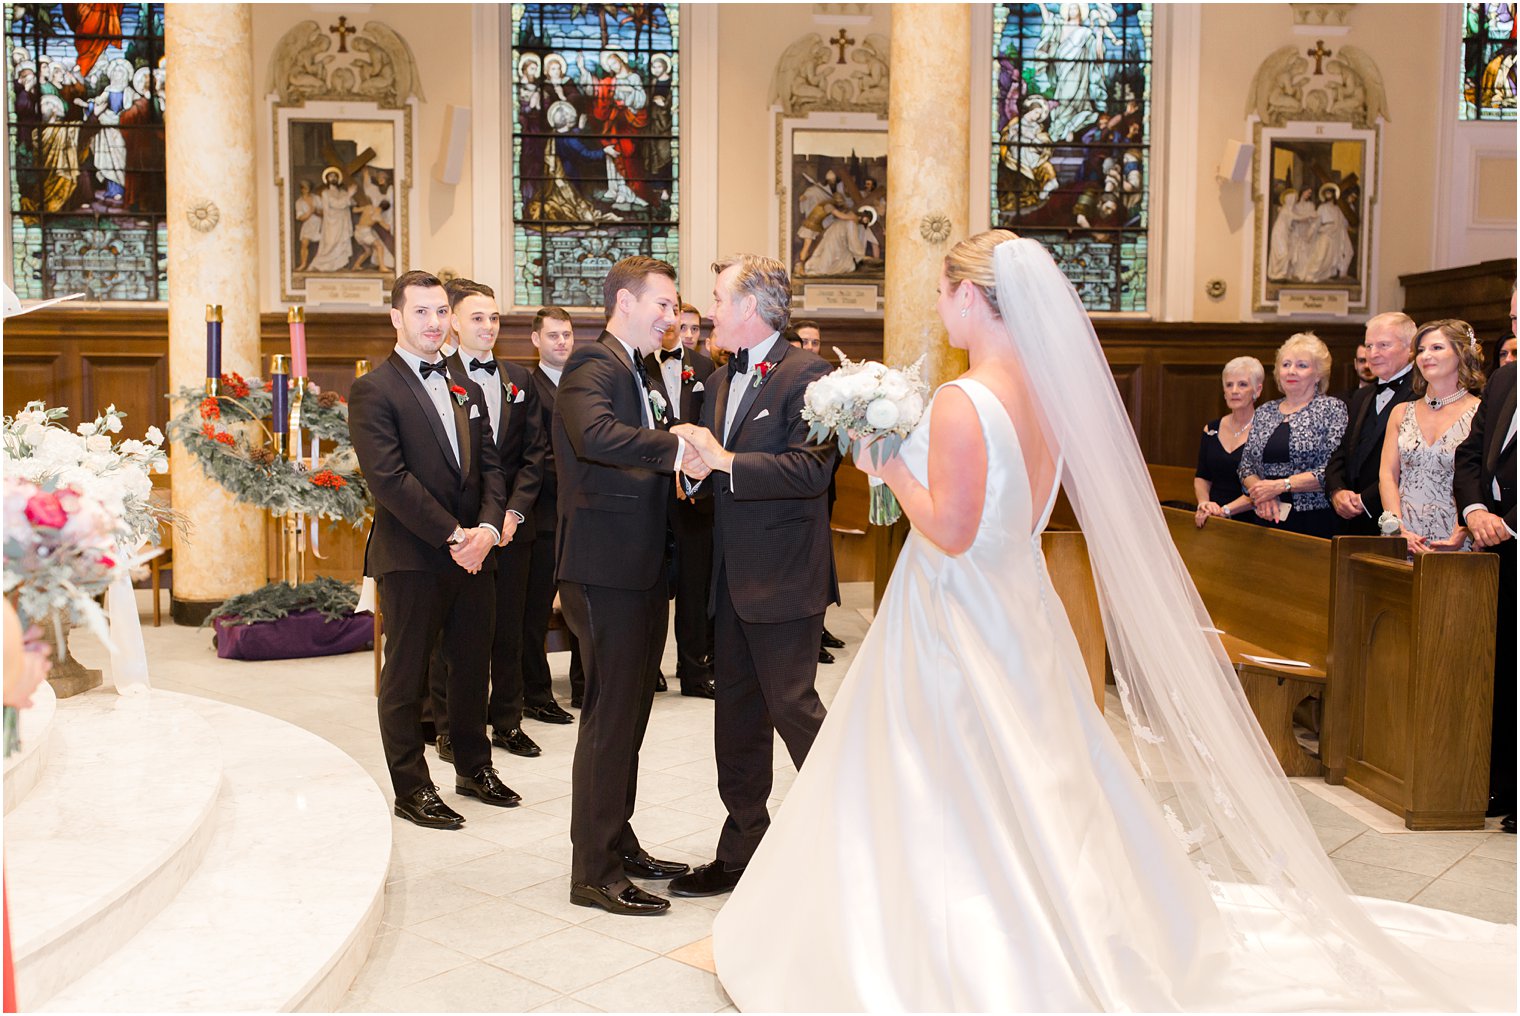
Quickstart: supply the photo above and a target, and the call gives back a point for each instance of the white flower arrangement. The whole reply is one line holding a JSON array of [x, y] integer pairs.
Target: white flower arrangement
[[864, 400]]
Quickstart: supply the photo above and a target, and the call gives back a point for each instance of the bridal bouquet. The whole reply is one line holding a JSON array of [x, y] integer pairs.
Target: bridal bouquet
[[865, 400], [62, 551]]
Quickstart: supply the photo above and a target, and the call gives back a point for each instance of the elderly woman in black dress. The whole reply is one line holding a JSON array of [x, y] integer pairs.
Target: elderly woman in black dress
[[1216, 484], [1282, 466]]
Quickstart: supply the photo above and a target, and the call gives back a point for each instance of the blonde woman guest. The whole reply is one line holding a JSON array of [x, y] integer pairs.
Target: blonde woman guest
[[1283, 465], [1420, 449], [1216, 484]]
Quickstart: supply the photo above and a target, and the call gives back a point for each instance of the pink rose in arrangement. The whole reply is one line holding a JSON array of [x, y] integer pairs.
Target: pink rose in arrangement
[[43, 509]]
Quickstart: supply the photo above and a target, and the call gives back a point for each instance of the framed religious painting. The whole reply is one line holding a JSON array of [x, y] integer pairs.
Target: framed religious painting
[[343, 188], [829, 221], [1315, 187]]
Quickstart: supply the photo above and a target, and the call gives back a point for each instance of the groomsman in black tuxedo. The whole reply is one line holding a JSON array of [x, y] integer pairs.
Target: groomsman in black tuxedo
[[1351, 476], [682, 377], [423, 439], [521, 442], [773, 571], [616, 469], [1483, 483], [553, 336]]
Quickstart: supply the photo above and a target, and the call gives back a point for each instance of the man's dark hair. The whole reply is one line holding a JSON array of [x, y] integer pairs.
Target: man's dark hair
[[411, 280], [458, 289], [798, 324], [557, 313], [687, 308], [632, 274], [792, 338]]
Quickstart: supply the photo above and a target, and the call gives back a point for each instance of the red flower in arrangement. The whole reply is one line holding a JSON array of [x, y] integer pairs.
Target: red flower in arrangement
[[226, 438], [328, 478], [207, 430], [43, 509], [512, 392], [210, 408], [269, 385], [762, 371], [460, 395], [687, 374], [235, 385], [107, 561]]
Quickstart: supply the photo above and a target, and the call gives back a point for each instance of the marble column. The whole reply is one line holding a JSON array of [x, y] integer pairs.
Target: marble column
[[213, 259], [928, 158]]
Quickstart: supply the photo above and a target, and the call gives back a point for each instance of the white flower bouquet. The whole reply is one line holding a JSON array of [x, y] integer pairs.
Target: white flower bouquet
[[865, 400]]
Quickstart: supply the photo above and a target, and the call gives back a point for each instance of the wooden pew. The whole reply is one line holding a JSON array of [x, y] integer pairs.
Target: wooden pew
[[1071, 575], [1412, 698], [1269, 591]]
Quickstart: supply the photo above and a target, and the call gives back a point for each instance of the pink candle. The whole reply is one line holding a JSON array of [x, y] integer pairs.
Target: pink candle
[[296, 317]]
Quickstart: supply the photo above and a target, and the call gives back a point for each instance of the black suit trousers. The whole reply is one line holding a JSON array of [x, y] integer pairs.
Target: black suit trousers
[[764, 679], [453, 611], [1501, 771], [538, 683], [506, 676], [693, 529], [621, 633]]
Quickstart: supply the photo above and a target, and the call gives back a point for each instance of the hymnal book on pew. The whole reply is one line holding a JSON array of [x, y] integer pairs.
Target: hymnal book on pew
[[1272, 661]]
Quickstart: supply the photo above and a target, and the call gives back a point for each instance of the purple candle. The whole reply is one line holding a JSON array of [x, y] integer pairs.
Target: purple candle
[[279, 392], [213, 341]]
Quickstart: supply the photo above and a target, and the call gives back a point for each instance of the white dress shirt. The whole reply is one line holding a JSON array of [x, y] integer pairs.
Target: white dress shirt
[[757, 353], [1382, 398], [437, 386], [670, 373], [490, 384], [553, 373]]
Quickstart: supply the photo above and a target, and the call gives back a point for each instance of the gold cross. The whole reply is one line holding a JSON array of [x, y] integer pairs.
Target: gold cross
[[1319, 52], [342, 31], [841, 40]]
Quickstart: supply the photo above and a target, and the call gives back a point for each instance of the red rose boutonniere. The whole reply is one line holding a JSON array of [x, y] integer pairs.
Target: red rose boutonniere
[[687, 374], [513, 392], [762, 371], [460, 395]]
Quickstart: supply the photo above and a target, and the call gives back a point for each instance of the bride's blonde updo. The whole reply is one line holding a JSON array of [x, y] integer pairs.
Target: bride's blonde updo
[[971, 260]]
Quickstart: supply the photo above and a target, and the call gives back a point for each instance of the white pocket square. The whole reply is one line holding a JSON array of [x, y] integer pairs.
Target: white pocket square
[[518, 399], [474, 412], [762, 414], [698, 387]]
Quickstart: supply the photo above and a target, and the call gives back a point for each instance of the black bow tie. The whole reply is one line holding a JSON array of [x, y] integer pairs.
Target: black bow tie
[[640, 370], [1386, 386], [738, 363], [489, 366], [441, 367], [669, 354]]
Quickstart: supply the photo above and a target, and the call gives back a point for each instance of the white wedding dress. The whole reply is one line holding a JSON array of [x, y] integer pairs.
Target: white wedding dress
[[968, 835]]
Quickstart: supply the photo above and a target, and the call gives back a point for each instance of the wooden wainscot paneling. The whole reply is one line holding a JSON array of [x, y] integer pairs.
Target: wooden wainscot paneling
[[134, 383], [1477, 294]]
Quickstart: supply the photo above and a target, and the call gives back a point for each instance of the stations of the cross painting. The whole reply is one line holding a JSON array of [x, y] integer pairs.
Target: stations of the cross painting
[[1319, 52], [841, 40], [342, 31]]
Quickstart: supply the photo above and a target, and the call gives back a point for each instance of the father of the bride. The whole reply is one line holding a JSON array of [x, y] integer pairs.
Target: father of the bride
[[773, 567], [615, 473]]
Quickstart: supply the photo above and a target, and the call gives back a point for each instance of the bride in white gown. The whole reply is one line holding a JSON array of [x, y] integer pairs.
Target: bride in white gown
[[968, 835]]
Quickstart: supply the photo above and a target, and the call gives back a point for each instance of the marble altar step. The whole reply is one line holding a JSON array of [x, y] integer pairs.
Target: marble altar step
[[281, 912], [122, 813], [24, 768]]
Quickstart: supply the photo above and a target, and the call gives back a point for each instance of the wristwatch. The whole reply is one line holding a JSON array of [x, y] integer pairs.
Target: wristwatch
[[456, 537], [1225, 511], [1287, 485]]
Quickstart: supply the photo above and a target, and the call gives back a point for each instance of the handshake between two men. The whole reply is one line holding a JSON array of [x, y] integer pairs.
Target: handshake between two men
[[704, 452]]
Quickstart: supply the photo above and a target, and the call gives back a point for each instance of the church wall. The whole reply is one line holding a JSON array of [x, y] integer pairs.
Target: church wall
[[440, 36]]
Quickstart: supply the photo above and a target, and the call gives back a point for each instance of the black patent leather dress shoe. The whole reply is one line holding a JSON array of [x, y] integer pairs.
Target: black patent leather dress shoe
[[425, 808], [711, 879], [1508, 825], [517, 743], [699, 688], [644, 866], [445, 748], [824, 656], [551, 713], [831, 641], [632, 901], [486, 786], [660, 685]]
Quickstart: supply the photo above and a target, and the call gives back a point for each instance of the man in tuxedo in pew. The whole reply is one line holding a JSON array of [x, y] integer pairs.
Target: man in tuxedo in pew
[[424, 443], [1483, 483], [616, 469], [553, 336], [682, 378], [1351, 476], [773, 572], [517, 426]]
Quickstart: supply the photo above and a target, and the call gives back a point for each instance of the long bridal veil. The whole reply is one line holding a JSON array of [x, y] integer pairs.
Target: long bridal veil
[[1201, 753]]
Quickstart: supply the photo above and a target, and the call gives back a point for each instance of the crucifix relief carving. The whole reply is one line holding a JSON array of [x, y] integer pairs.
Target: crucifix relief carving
[[841, 40], [1319, 52], [342, 31]]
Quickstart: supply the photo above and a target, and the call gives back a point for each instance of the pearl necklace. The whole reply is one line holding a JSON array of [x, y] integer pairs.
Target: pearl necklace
[[1435, 403]]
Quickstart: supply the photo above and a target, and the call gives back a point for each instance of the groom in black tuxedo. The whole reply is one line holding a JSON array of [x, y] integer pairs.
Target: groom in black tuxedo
[[773, 568], [424, 443], [1351, 476], [616, 470]]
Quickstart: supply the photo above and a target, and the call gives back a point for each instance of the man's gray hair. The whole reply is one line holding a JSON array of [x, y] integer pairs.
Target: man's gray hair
[[1401, 324], [766, 280]]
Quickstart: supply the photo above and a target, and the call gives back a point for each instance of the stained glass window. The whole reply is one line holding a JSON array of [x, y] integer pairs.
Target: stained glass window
[[1071, 140], [1488, 62], [86, 135], [595, 144]]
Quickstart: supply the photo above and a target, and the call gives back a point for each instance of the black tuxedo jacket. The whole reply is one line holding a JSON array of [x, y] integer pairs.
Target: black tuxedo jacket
[[771, 533], [521, 440], [1356, 460], [693, 391], [1484, 455], [615, 474], [544, 509], [421, 493]]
